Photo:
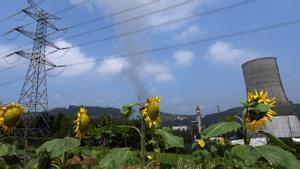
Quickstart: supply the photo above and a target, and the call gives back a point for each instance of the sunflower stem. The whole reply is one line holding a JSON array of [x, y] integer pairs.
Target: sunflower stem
[[142, 143], [245, 132], [26, 153]]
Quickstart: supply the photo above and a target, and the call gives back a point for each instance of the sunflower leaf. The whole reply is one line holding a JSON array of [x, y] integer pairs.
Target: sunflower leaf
[[58, 147], [117, 158], [276, 141], [127, 109], [170, 140], [278, 157], [263, 107], [220, 129], [245, 155], [7, 149], [32, 164]]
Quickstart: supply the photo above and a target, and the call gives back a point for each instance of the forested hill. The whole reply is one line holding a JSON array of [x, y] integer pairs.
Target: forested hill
[[168, 119], [173, 119], [93, 111]]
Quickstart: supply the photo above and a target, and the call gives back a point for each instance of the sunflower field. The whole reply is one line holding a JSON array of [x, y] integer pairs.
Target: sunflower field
[[147, 145]]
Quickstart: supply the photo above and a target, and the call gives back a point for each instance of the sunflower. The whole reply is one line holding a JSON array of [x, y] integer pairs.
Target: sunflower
[[201, 143], [261, 97], [81, 123], [254, 117], [151, 112], [10, 116], [220, 140]]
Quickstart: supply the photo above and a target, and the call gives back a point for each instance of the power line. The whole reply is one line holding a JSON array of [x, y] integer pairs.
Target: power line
[[169, 22], [10, 16], [110, 15], [71, 7], [58, 12], [77, 25], [130, 19], [15, 14], [12, 67], [12, 81], [212, 11], [62, 10], [229, 35], [18, 80], [114, 14]]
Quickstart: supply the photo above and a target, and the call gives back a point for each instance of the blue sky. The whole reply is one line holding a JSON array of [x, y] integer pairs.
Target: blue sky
[[204, 74]]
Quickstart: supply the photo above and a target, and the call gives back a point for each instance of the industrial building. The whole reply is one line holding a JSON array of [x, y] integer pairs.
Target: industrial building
[[263, 74]]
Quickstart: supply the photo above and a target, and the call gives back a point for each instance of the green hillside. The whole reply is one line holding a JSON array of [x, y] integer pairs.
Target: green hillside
[[168, 119]]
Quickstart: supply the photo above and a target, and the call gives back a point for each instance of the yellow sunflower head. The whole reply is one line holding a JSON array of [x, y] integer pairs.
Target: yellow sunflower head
[[255, 117], [151, 111], [10, 116], [220, 140], [260, 97], [81, 123], [201, 143]]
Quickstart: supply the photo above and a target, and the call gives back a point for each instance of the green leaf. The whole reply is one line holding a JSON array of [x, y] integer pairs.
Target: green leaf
[[220, 129], [58, 147], [127, 109], [7, 149], [32, 164], [278, 157], [263, 107], [117, 158], [170, 140], [246, 155], [276, 141]]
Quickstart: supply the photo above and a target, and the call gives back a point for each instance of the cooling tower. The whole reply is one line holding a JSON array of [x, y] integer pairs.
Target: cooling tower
[[263, 74]]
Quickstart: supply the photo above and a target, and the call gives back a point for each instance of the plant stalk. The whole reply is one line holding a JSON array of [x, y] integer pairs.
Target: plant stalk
[[245, 132], [142, 143], [26, 153]]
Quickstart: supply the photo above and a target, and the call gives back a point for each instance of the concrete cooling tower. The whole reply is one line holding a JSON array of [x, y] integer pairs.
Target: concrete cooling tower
[[263, 74]]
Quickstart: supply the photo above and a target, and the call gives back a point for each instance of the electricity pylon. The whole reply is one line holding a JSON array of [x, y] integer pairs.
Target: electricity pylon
[[34, 95]]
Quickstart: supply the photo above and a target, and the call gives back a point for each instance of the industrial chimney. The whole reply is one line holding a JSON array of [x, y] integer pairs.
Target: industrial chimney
[[263, 74], [197, 124], [199, 118]]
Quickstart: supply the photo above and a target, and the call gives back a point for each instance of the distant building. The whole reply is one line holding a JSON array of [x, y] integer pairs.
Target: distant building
[[259, 141], [180, 128], [197, 125], [263, 74]]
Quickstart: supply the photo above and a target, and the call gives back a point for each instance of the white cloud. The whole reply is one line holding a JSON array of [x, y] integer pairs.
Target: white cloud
[[191, 31], [183, 57], [226, 53], [71, 56], [112, 66], [160, 72]]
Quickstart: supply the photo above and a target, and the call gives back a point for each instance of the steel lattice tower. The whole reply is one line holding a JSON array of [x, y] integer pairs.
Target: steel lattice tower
[[34, 95]]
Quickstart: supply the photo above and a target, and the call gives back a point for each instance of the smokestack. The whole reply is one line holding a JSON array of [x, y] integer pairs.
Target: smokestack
[[199, 118], [263, 74]]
